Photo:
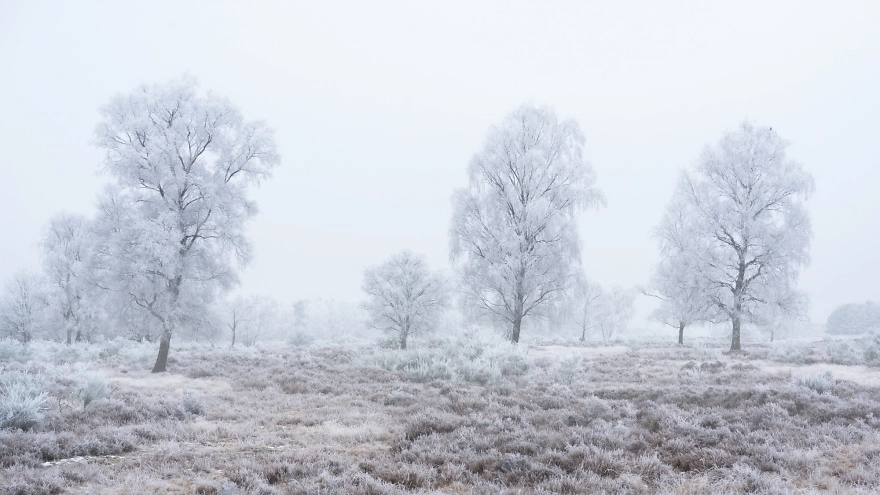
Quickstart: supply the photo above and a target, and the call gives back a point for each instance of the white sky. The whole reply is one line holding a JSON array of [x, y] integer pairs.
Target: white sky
[[378, 108]]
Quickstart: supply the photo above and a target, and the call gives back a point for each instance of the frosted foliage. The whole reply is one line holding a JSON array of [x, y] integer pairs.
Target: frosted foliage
[[403, 296], [67, 250], [514, 235], [852, 319], [22, 306], [676, 283], [747, 231], [174, 220]]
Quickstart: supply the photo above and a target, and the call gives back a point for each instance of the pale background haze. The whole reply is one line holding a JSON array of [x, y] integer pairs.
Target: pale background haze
[[378, 108]]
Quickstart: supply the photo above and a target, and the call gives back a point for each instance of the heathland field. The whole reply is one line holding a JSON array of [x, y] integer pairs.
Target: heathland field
[[470, 414]]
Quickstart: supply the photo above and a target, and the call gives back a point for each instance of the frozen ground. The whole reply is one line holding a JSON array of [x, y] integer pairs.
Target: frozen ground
[[468, 415]]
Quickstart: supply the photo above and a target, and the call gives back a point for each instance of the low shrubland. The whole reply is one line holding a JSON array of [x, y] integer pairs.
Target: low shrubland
[[464, 414]]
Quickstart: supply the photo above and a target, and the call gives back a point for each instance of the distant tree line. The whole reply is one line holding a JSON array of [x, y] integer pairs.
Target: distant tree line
[[165, 246]]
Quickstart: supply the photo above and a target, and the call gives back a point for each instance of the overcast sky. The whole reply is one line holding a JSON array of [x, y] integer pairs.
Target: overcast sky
[[378, 107]]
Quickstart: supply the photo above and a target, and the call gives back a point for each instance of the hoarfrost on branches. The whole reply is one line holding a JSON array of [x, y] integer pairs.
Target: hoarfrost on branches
[[68, 262], [747, 231], [23, 306], [403, 296], [514, 238], [675, 281], [173, 221]]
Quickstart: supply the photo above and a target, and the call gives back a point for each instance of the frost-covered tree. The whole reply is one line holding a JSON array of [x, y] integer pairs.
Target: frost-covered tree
[[23, 306], [251, 318], [404, 297], [616, 311], [854, 319], [587, 306], [173, 221], [514, 236], [782, 313], [747, 231], [69, 270], [675, 281]]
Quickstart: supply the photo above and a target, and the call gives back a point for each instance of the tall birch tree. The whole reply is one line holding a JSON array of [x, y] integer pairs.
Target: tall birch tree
[[747, 231], [173, 220], [514, 236]]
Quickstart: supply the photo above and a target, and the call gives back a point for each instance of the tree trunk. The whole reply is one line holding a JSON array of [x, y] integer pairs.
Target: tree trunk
[[168, 323], [514, 334], [162, 358], [517, 311], [680, 333], [403, 340], [735, 344]]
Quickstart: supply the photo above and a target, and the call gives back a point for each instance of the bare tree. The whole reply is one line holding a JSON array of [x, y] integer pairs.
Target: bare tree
[[588, 306], [237, 310], [173, 222], [747, 231], [403, 296], [251, 318], [514, 236]]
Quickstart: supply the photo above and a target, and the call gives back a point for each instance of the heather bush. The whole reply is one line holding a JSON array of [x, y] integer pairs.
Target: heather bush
[[190, 403], [14, 350], [22, 401], [59, 352], [792, 352], [476, 357], [567, 368], [844, 352], [137, 353]]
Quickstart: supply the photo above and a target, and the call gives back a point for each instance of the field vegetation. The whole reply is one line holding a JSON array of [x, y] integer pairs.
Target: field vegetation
[[472, 413]]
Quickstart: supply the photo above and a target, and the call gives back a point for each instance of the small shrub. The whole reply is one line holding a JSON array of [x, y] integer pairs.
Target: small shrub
[[137, 352], [388, 342], [792, 353], [22, 401], [111, 348], [693, 374], [481, 372], [566, 369], [92, 387], [191, 403], [513, 365], [427, 424], [430, 368], [841, 352], [13, 350], [818, 383], [300, 338]]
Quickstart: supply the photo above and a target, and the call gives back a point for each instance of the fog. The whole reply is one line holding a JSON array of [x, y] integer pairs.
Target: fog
[[378, 108]]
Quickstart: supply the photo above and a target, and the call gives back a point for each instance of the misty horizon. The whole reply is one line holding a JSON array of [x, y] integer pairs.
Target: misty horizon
[[376, 131]]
